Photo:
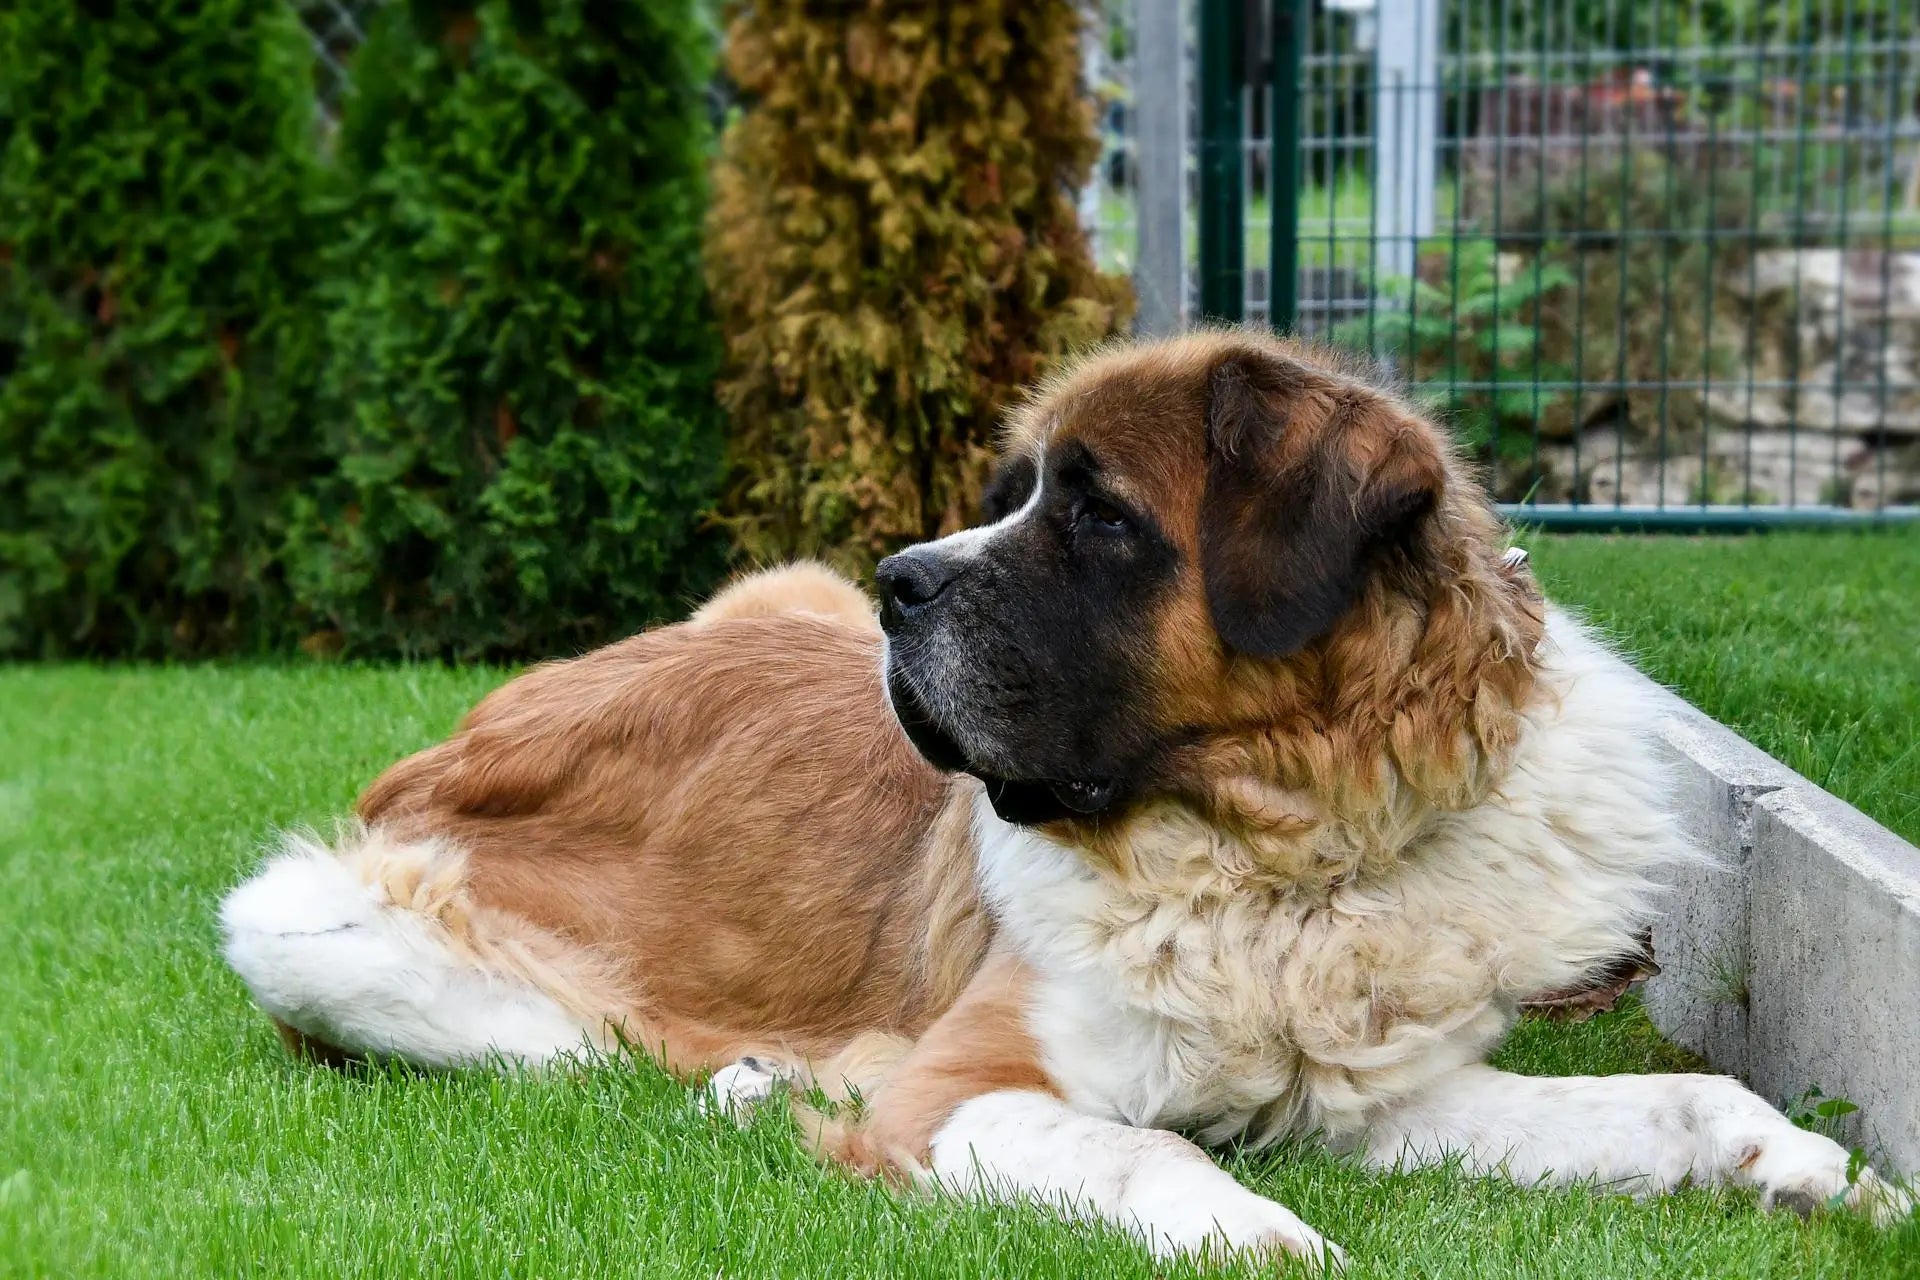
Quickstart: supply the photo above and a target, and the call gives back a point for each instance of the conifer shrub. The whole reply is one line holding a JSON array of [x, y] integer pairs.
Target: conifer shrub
[[520, 380], [894, 250], [157, 340]]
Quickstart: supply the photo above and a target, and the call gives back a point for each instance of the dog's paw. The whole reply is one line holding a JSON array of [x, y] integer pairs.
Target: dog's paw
[[1806, 1172], [1242, 1226], [737, 1089]]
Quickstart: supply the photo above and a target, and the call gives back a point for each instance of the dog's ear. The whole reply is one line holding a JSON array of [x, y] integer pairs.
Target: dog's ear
[[1310, 480]]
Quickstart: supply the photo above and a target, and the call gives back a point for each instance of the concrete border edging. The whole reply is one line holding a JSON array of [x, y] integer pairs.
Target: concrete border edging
[[1795, 962]]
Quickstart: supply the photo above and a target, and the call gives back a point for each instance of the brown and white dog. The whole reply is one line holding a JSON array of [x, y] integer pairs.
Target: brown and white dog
[[1228, 781]]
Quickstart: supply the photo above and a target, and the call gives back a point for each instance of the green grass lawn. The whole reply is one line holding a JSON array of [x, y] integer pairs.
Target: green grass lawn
[[1807, 643], [151, 1126]]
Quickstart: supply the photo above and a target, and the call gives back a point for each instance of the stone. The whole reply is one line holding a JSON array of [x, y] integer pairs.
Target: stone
[[1790, 958]]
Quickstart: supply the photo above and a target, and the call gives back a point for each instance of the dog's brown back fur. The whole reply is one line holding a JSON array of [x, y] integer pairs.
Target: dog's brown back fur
[[640, 802]]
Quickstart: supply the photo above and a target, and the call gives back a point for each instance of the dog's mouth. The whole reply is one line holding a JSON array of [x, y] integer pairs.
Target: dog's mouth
[[1033, 804], [1022, 801]]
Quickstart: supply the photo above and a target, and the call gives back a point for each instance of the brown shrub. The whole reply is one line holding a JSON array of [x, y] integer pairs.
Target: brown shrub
[[894, 250]]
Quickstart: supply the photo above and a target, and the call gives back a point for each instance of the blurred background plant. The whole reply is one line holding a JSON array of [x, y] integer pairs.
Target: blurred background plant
[[895, 250], [1466, 337], [518, 402], [420, 359], [159, 335]]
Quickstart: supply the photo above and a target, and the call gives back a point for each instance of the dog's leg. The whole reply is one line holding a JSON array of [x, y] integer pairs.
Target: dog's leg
[[1639, 1134], [971, 1108], [1021, 1145]]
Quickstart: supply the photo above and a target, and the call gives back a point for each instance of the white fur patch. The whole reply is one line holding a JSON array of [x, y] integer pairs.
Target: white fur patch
[[1016, 1145], [328, 955]]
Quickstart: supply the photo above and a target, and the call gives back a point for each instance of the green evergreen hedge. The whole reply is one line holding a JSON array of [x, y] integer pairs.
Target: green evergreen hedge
[[448, 393], [521, 351], [157, 338]]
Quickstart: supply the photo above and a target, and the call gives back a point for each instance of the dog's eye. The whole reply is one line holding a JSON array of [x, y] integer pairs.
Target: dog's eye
[[1097, 515]]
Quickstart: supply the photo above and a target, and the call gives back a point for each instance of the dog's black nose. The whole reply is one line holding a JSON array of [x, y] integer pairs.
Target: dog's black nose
[[909, 582]]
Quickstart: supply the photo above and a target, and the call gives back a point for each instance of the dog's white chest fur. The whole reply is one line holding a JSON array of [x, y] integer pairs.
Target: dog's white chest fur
[[1203, 1001]]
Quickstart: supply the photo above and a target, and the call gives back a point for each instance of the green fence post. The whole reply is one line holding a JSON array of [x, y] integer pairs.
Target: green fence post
[[1283, 165], [1222, 220]]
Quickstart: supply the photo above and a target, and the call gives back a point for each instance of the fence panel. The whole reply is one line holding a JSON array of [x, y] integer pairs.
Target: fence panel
[[1654, 262]]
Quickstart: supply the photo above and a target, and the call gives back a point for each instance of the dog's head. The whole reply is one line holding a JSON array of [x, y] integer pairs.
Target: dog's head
[[1218, 537]]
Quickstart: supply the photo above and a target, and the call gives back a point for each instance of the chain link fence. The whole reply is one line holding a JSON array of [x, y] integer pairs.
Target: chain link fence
[[1653, 262], [337, 27]]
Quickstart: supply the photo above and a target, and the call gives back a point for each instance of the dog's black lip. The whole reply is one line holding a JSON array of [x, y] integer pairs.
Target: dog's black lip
[[1022, 801], [934, 744], [1089, 795], [1032, 804], [1024, 804]]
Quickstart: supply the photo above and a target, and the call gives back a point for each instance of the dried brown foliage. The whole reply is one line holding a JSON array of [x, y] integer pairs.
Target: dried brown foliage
[[894, 250]]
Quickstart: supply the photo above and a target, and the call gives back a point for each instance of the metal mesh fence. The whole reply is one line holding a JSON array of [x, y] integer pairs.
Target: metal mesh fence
[[1107, 205], [1642, 257], [1661, 251], [1650, 257], [337, 27]]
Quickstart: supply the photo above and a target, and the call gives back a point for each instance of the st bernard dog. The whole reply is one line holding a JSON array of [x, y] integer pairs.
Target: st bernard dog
[[1231, 781]]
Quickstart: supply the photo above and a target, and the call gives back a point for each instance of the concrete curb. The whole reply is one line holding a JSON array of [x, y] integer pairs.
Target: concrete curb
[[1795, 962]]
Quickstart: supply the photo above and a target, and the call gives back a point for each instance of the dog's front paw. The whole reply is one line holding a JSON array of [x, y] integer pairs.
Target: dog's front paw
[[1806, 1172], [1267, 1230], [1240, 1225], [738, 1088]]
